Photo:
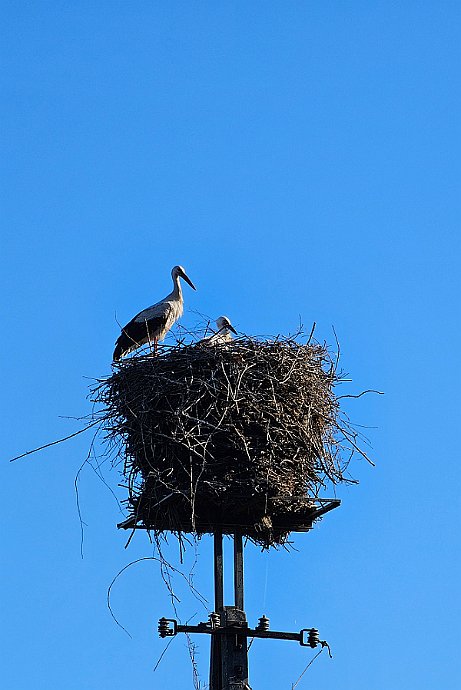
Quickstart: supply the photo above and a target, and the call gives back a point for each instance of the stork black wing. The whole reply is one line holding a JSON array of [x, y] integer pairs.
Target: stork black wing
[[135, 334]]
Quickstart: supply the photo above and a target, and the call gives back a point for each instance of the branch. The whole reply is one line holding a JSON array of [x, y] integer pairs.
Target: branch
[[54, 443]]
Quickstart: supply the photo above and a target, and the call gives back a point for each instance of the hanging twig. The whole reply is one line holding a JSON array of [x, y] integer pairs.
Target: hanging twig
[[293, 685]]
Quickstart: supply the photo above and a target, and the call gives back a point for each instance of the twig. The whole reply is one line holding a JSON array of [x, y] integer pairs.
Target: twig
[[293, 685], [60, 440]]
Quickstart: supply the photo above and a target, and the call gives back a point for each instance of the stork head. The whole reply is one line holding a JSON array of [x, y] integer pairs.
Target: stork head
[[179, 272], [224, 323]]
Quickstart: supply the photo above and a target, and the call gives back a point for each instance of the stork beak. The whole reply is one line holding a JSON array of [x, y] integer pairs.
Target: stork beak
[[231, 328], [188, 280]]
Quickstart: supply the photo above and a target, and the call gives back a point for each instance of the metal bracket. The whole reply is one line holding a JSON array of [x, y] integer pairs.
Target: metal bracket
[[307, 637], [164, 629]]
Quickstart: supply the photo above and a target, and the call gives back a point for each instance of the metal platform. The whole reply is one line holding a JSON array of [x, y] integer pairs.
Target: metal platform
[[302, 521]]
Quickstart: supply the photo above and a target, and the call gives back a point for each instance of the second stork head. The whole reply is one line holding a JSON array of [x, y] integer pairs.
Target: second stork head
[[224, 324]]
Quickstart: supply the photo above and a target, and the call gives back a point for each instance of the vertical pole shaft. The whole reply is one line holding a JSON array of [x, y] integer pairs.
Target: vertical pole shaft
[[218, 573], [238, 570], [216, 647], [234, 645]]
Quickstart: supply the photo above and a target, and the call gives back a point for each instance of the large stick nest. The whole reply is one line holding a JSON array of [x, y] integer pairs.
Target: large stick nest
[[240, 436]]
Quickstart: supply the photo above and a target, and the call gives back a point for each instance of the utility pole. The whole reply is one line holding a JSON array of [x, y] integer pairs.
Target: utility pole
[[229, 654], [228, 626]]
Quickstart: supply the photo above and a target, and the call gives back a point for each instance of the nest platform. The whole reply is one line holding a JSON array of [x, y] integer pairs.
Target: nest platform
[[237, 437]]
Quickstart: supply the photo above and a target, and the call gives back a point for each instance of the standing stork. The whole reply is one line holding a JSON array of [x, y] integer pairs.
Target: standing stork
[[223, 334], [152, 324]]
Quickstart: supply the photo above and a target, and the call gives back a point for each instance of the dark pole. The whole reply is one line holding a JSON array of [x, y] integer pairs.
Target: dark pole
[[216, 647], [234, 646], [238, 570], [229, 656], [218, 573]]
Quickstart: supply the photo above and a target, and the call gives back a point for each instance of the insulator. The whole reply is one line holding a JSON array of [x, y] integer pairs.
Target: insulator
[[263, 624], [313, 639], [164, 629], [215, 620]]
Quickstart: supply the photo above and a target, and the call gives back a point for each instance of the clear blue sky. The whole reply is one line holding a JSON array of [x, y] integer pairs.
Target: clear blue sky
[[299, 159]]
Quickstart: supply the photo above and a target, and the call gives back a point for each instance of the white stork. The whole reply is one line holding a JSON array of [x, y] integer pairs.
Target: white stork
[[152, 324], [223, 334]]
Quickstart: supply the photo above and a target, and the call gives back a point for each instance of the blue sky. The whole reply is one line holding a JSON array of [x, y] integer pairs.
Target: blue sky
[[301, 160]]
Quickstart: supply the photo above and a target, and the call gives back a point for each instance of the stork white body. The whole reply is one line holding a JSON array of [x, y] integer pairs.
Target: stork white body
[[152, 324], [223, 334]]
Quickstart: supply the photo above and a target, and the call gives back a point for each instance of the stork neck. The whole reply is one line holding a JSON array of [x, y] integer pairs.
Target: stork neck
[[177, 290]]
